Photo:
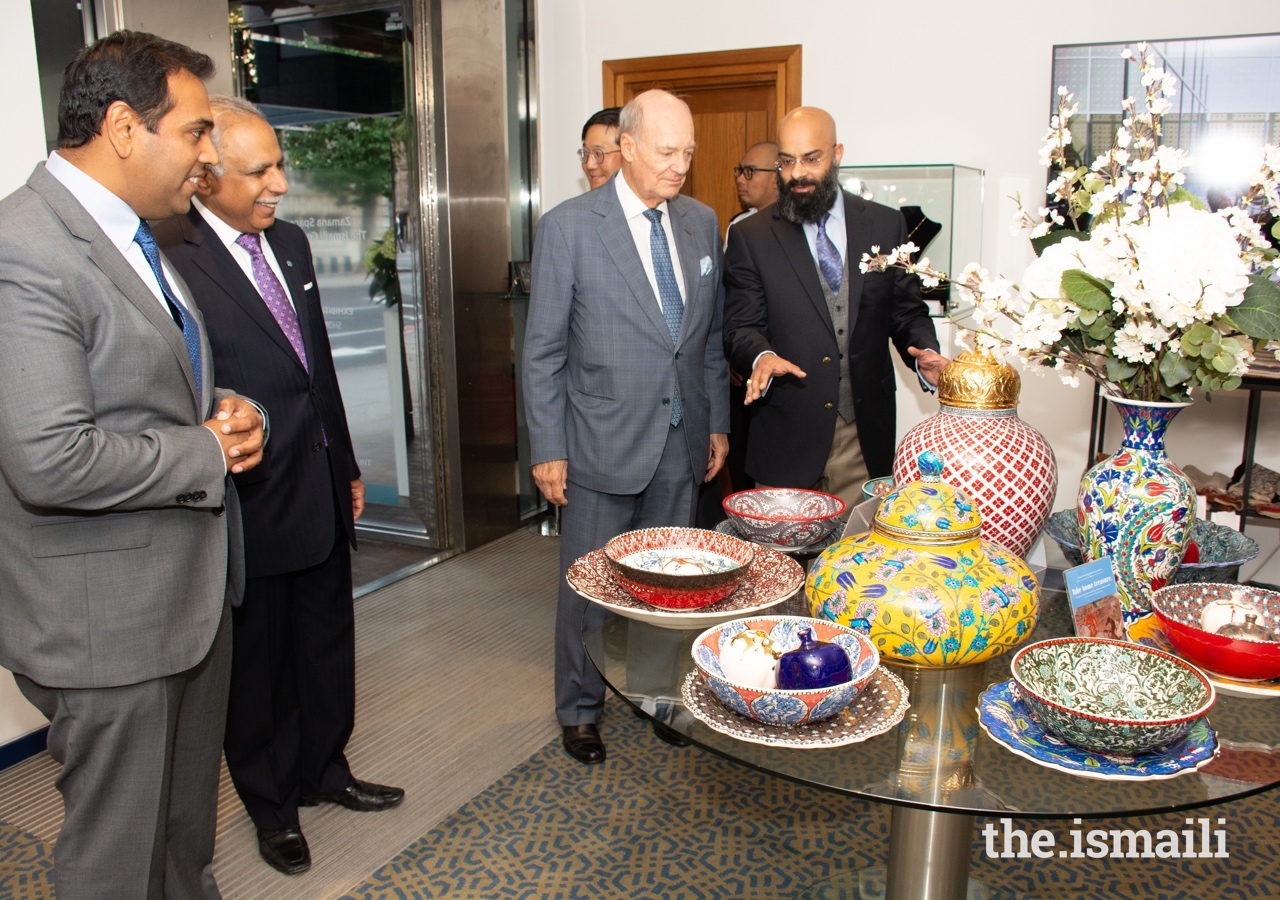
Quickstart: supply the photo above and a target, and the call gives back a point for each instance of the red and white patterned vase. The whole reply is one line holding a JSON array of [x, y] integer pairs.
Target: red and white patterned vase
[[1004, 464]]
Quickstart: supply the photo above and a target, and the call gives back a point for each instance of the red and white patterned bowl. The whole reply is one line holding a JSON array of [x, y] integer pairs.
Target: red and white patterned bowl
[[784, 518], [1180, 607], [679, 568]]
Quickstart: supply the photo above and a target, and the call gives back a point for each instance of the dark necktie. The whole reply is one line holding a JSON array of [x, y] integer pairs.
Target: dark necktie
[[185, 320], [274, 296], [828, 256], [668, 292]]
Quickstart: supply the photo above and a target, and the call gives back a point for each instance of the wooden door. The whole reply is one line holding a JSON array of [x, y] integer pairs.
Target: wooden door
[[737, 98]]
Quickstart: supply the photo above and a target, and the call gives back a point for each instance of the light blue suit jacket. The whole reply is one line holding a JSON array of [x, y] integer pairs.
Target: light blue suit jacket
[[600, 369]]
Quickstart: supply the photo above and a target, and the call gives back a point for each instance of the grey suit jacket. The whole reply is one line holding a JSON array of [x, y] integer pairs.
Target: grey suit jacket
[[599, 365], [119, 530]]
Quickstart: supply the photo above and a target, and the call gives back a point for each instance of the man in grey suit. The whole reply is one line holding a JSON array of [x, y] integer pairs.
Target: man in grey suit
[[118, 526], [626, 384]]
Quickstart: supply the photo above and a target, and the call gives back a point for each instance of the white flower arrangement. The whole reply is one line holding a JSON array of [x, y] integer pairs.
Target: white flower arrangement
[[1156, 295]]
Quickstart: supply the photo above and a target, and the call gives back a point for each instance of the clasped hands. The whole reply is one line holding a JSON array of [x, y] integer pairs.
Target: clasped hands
[[238, 427], [552, 476]]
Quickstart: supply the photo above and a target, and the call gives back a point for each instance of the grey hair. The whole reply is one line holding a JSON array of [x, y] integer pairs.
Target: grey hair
[[225, 109], [631, 119]]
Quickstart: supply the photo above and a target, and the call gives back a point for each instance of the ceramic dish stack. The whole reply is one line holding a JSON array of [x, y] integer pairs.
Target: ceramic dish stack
[[1214, 553], [872, 702], [1103, 709], [679, 568]]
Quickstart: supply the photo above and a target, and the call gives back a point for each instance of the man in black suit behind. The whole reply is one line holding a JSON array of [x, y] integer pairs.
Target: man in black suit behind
[[292, 703], [813, 330]]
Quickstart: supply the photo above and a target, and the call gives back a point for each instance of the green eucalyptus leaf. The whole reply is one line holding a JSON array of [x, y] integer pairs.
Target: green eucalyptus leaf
[[1275, 229], [1258, 315], [1087, 316], [1230, 345], [1182, 195], [1101, 330], [1119, 369], [1040, 244], [1210, 350], [1198, 334], [1085, 290], [1223, 363], [1175, 369], [1231, 383]]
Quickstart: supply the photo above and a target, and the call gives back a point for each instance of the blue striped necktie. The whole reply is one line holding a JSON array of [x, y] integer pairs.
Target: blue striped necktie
[[185, 320], [668, 292], [828, 256]]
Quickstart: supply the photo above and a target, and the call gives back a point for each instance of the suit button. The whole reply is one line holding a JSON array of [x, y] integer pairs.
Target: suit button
[[315, 392], [200, 495], [826, 359], [219, 512], [840, 331], [830, 406], [666, 401], [677, 354], [315, 448], [184, 498]]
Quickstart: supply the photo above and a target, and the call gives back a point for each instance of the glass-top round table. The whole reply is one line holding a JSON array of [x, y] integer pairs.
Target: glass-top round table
[[938, 768]]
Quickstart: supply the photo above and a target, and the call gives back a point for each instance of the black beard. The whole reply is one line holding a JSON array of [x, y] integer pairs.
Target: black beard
[[809, 207]]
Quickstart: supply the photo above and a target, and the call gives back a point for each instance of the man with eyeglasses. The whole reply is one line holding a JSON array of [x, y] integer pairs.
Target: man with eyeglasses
[[755, 178], [813, 330], [600, 153]]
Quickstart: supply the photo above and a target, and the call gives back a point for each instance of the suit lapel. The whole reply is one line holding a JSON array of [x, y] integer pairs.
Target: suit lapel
[[615, 234], [796, 249], [107, 257], [687, 249], [226, 273], [857, 229]]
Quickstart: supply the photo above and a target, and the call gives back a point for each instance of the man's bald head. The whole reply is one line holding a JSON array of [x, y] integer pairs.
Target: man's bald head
[[656, 137], [805, 129]]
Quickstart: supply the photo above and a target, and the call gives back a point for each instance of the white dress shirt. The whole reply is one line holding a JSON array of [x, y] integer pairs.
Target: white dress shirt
[[243, 258], [634, 209]]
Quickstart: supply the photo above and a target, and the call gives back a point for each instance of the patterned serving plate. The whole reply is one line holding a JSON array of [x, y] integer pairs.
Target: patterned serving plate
[[1006, 719], [727, 527], [1148, 630], [772, 578], [879, 707]]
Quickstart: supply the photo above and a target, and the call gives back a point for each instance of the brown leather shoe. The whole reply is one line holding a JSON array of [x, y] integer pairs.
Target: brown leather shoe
[[285, 850], [583, 743]]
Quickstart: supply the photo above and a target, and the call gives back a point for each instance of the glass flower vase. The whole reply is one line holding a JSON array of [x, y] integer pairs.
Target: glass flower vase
[[1136, 506]]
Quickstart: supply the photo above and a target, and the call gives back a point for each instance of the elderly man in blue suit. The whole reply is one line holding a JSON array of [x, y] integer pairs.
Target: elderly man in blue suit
[[626, 381]]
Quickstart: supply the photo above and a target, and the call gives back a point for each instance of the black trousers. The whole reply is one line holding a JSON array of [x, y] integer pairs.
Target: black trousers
[[292, 702]]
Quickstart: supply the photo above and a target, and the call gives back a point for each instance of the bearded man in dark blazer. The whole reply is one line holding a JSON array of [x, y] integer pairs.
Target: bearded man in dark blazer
[[813, 330], [292, 701]]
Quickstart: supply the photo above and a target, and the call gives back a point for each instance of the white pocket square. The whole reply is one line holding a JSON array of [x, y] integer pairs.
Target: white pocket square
[[307, 286], [705, 263]]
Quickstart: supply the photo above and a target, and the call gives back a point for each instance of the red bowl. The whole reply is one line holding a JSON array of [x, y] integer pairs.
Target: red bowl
[[1179, 607], [679, 568]]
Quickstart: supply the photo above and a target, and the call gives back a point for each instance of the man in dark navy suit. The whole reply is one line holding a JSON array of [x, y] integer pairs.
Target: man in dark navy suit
[[292, 703]]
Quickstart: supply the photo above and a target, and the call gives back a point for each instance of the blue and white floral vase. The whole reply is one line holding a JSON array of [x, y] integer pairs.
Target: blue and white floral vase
[[1137, 507]]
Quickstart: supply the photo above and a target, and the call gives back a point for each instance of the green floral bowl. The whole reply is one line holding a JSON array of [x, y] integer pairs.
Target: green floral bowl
[[1110, 696]]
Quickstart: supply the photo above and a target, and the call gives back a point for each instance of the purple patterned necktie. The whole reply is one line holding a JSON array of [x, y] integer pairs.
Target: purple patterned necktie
[[274, 296], [828, 256]]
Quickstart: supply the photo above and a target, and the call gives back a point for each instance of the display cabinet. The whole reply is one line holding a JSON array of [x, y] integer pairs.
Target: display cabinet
[[943, 208]]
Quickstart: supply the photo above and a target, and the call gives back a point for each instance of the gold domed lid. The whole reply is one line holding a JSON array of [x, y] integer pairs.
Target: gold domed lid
[[977, 380], [928, 511]]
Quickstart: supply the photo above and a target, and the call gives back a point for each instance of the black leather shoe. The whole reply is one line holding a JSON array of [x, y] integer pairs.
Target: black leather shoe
[[668, 735], [583, 743], [362, 796], [285, 850]]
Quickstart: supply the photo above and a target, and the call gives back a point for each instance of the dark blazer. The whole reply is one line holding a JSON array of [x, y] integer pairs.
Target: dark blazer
[[773, 301], [288, 500]]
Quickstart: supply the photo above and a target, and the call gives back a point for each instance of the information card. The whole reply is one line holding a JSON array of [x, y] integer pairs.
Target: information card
[[1095, 600]]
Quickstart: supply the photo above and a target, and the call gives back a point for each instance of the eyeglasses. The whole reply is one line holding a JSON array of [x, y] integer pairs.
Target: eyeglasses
[[810, 160], [750, 171], [596, 155]]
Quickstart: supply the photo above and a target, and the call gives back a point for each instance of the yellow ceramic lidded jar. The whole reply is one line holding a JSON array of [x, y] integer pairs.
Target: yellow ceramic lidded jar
[[923, 584]]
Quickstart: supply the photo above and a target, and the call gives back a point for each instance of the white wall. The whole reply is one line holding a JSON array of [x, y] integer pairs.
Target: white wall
[[19, 152], [944, 82]]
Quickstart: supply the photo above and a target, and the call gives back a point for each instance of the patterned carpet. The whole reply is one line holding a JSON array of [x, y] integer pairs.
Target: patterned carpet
[[659, 822]]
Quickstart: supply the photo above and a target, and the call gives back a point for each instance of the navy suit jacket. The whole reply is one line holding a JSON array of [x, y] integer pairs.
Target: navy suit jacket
[[289, 500], [773, 301]]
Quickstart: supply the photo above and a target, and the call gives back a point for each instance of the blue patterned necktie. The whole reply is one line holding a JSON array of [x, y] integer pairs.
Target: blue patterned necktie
[[828, 256], [190, 328], [668, 292]]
